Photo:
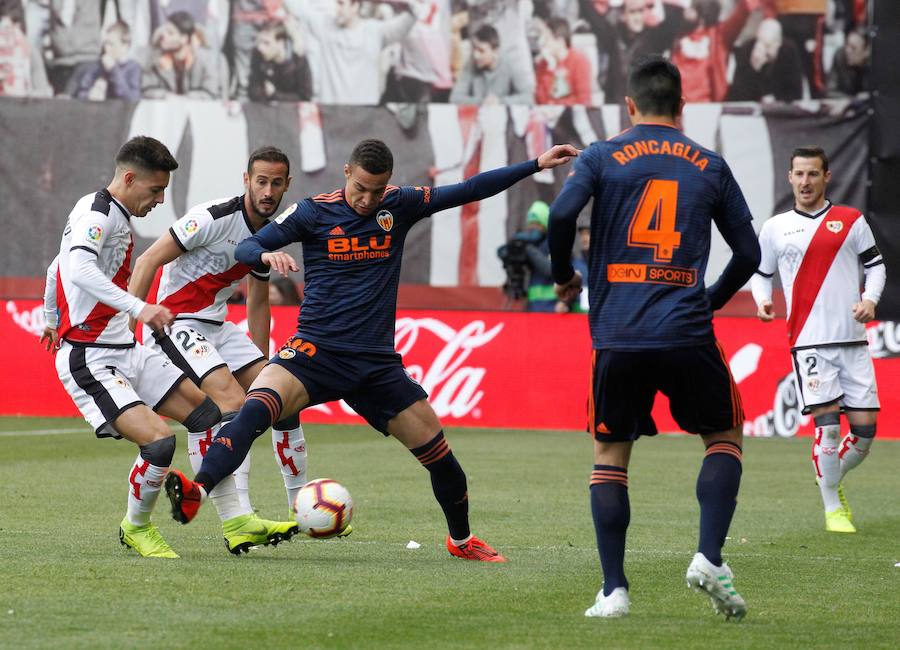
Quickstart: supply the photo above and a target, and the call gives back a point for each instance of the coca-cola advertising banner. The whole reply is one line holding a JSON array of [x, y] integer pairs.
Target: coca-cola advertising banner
[[494, 369]]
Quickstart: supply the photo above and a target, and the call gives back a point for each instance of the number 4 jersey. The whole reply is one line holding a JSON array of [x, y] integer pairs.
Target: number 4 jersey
[[656, 195]]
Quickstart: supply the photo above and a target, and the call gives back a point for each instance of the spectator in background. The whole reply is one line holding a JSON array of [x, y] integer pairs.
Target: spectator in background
[[22, 71], [563, 74], [247, 18], [850, 67], [609, 55], [510, 19], [527, 255], [640, 33], [74, 33], [350, 49], [422, 73], [488, 79], [116, 75], [179, 64], [803, 23], [702, 54], [277, 71], [767, 68], [283, 291]]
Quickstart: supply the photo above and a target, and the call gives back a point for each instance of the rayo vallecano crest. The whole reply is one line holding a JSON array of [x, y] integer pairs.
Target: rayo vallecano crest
[[385, 219], [834, 226]]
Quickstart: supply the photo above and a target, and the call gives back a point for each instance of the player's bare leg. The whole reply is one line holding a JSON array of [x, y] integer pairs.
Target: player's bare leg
[[419, 429], [717, 488], [611, 512], [855, 447], [288, 441], [274, 390]]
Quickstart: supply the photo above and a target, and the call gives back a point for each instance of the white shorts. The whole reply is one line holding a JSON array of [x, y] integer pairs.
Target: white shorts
[[200, 348], [841, 374], [105, 382]]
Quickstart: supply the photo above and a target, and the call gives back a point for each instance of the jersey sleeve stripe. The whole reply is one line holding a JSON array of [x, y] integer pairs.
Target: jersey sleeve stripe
[[177, 241], [84, 248], [765, 275], [875, 263]]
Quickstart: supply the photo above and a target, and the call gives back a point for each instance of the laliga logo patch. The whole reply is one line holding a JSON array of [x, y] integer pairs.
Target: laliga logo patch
[[287, 353], [385, 219], [121, 382], [200, 351], [94, 233], [813, 385], [284, 215], [834, 226], [190, 227]]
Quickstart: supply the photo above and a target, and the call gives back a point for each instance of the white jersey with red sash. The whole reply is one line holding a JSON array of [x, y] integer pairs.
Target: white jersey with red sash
[[820, 258]]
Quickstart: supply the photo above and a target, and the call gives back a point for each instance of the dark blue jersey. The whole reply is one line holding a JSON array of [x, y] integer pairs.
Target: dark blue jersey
[[656, 194], [352, 262]]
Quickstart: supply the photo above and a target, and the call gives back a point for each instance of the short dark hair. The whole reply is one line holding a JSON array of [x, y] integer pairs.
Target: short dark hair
[[654, 85], [269, 154], [487, 34], [183, 21], [373, 156], [122, 29], [559, 27], [811, 151], [149, 154], [276, 28]]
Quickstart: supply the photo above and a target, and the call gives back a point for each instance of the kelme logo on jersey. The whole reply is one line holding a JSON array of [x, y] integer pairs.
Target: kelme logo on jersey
[[94, 233], [834, 226], [190, 227], [385, 219]]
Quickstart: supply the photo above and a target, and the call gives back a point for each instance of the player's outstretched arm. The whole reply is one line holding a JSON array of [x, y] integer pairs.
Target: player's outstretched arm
[[161, 252], [51, 313], [261, 250], [486, 184]]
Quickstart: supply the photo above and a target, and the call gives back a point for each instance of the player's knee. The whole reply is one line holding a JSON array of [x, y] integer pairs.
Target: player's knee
[[863, 430], [263, 406], [827, 419], [204, 417], [288, 424], [159, 452]]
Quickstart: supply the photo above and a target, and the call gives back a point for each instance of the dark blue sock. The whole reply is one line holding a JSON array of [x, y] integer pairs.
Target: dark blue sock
[[612, 513], [231, 445], [717, 488], [448, 481]]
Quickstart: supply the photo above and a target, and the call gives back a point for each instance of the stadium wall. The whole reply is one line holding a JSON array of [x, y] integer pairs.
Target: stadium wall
[[494, 369], [62, 150]]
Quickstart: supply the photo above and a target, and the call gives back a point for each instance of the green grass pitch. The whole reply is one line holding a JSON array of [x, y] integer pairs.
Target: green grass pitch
[[68, 584]]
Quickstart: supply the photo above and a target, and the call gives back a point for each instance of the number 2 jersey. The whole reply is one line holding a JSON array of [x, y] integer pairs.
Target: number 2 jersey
[[820, 259], [656, 194]]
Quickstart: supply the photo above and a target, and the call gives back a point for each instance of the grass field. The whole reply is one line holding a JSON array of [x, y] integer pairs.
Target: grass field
[[67, 583]]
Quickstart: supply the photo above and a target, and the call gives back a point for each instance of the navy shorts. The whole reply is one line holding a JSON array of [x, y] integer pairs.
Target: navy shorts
[[703, 397], [375, 385]]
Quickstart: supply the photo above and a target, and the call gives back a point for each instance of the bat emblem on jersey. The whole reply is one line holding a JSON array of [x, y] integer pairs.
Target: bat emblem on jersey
[[385, 219], [834, 226]]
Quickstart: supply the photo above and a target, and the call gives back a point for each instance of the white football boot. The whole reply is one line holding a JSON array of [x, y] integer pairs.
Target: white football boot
[[612, 606], [717, 582]]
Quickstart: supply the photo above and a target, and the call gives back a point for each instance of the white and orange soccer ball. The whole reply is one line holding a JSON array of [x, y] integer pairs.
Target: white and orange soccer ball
[[323, 508]]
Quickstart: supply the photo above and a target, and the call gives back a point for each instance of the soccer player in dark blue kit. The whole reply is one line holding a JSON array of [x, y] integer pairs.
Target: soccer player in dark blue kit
[[656, 194], [344, 346]]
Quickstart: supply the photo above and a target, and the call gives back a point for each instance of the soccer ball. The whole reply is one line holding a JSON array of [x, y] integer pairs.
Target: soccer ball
[[323, 508]]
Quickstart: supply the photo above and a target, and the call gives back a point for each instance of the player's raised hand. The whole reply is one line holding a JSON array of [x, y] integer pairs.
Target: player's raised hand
[[864, 311], [557, 155], [281, 262], [156, 316], [50, 339], [765, 311], [569, 291]]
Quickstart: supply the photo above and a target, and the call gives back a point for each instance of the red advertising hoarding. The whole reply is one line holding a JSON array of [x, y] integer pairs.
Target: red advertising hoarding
[[493, 369]]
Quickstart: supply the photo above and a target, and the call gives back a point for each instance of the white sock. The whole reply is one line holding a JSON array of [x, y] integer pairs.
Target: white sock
[[827, 464], [290, 454], [854, 450], [242, 483], [225, 495], [144, 483]]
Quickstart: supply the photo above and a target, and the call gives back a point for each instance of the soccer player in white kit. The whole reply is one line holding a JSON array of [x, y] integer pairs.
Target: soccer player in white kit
[[196, 272], [116, 383], [822, 253]]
